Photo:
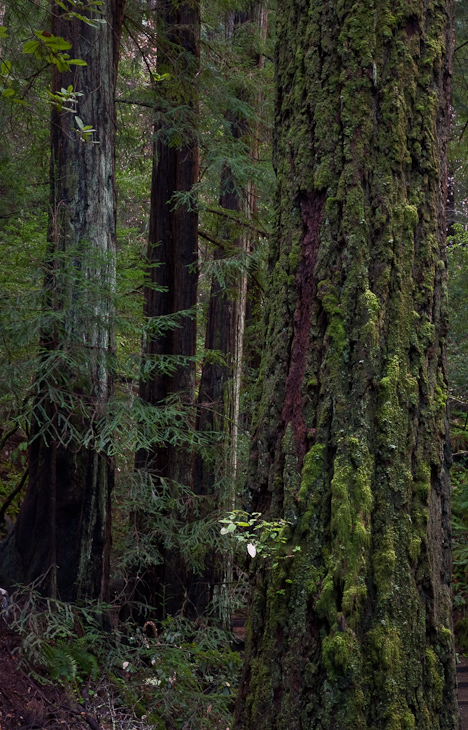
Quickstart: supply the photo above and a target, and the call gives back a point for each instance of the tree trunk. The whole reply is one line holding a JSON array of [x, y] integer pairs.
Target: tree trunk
[[354, 630], [63, 528], [172, 257], [220, 384]]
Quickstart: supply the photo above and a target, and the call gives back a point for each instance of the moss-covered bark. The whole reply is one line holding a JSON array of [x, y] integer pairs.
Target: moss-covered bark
[[354, 631]]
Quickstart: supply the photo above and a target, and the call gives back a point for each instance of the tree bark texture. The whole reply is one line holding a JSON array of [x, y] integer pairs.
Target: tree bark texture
[[172, 257], [354, 630], [63, 527]]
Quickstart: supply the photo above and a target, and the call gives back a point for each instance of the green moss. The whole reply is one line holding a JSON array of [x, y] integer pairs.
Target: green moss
[[326, 602], [435, 676], [408, 721], [323, 176], [371, 306], [422, 481], [295, 256], [414, 548], [384, 648], [440, 398], [312, 472], [339, 651], [383, 563], [351, 505], [411, 215]]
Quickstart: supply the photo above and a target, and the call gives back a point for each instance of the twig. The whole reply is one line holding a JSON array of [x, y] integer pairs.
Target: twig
[[84, 715], [239, 221], [13, 494]]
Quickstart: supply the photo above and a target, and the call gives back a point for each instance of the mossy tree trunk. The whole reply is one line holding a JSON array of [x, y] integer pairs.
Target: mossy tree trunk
[[354, 631], [173, 275], [63, 528]]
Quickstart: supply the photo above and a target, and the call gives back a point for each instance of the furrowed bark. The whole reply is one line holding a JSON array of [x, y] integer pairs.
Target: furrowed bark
[[63, 528], [172, 257], [355, 630]]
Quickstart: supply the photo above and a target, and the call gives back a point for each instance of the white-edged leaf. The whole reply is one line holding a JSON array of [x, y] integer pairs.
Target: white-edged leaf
[[251, 549]]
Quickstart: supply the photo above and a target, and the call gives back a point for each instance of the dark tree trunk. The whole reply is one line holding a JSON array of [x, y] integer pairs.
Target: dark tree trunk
[[63, 528], [354, 631], [172, 256]]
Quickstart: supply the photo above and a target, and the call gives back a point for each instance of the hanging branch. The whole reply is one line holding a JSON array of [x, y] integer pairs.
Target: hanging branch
[[239, 221], [13, 494], [8, 436]]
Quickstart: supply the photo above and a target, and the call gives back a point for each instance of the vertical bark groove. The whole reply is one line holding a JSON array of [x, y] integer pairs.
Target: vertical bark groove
[[63, 528], [354, 631]]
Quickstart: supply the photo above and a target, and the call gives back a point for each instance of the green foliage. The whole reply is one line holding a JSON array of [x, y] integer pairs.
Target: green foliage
[[183, 675], [52, 49], [257, 535], [458, 341]]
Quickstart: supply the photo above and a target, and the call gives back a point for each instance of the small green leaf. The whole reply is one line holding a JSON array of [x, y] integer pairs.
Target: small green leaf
[[5, 68], [8, 93], [77, 62], [60, 63], [54, 42], [3, 31], [31, 46]]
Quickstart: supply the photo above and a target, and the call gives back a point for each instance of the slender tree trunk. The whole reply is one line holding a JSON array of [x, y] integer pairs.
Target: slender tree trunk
[[354, 630], [220, 384], [172, 256], [63, 528]]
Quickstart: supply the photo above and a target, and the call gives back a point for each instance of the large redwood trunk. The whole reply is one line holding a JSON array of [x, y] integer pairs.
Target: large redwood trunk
[[351, 623], [63, 528], [172, 257]]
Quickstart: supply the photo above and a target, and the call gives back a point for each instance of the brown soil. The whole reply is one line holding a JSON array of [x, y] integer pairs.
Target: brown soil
[[26, 704]]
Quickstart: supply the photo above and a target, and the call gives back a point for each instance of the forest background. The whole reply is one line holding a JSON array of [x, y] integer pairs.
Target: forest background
[[217, 97]]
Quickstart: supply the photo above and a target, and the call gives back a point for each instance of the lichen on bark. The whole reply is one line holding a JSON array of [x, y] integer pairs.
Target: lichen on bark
[[354, 631]]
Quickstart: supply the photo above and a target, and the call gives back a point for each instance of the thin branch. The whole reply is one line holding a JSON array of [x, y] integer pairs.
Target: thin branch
[[138, 46], [7, 436], [212, 239], [232, 218], [12, 495], [458, 48], [137, 103]]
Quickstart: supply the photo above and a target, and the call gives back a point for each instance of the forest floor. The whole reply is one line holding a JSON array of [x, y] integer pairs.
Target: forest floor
[[26, 704], [23, 703]]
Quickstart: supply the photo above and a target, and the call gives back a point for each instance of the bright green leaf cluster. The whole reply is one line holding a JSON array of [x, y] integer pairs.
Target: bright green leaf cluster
[[259, 536], [65, 96], [51, 48]]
